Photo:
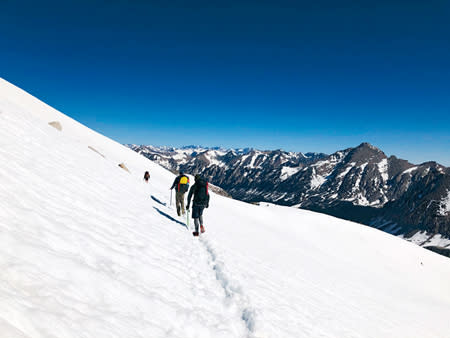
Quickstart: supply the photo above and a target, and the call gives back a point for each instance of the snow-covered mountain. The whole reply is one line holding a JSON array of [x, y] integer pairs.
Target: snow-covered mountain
[[87, 249], [198, 158], [360, 184]]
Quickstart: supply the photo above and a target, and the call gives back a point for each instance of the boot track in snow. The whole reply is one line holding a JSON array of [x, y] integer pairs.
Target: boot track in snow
[[233, 290]]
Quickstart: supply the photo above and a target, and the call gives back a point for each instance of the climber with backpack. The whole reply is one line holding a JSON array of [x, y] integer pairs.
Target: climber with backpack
[[201, 201], [181, 185]]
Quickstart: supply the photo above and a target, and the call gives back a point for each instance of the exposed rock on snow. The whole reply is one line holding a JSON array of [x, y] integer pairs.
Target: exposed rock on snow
[[56, 125], [95, 150], [123, 166]]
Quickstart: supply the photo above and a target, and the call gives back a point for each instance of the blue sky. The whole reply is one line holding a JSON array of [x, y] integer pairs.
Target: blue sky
[[301, 76]]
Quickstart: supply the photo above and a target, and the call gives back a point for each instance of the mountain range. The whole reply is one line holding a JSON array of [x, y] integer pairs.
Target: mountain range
[[361, 184]]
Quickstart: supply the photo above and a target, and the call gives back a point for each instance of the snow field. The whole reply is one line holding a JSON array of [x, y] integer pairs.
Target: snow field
[[90, 250], [84, 251], [330, 277]]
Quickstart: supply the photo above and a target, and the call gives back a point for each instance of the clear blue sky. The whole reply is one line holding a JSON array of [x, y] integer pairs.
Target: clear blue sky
[[297, 75]]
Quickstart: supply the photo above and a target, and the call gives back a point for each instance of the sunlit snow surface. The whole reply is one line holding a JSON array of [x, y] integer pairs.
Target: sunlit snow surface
[[287, 172], [89, 250]]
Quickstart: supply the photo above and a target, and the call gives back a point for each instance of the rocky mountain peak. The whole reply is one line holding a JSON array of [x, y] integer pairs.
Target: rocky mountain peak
[[364, 153]]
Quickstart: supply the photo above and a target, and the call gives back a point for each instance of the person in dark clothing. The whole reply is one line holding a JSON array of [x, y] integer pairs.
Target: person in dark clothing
[[181, 185], [146, 176], [201, 201]]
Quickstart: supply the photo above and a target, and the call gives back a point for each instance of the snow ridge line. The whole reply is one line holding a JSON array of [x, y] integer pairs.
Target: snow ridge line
[[233, 290]]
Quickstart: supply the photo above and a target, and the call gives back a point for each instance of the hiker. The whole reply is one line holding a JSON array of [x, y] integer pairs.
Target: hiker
[[146, 176], [201, 201], [181, 185]]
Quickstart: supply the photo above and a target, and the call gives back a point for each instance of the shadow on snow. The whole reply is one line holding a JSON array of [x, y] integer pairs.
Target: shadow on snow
[[158, 201], [170, 217]]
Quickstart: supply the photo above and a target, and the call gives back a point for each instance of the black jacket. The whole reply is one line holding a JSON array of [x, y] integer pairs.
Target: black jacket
[[200, 192]]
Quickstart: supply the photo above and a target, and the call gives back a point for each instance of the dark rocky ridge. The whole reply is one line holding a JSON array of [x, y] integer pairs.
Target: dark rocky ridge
[[360, 184]]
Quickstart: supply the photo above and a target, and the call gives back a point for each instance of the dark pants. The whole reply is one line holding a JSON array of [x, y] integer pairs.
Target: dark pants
[[197, 211], [197, 215]]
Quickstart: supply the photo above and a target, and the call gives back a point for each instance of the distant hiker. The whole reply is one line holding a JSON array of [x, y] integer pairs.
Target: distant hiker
[[201, 201], [146, 176], [181, 185]]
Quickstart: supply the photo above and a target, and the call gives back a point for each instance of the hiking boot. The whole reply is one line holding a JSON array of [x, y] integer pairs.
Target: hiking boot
[[195, 233], [202, 229]]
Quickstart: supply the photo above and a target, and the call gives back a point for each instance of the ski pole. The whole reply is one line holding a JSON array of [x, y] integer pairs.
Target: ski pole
[[187, 221], [170, 197]]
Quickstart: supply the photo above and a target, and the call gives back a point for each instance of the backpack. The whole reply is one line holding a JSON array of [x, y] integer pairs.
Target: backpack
[[201, 192], [183, 184]]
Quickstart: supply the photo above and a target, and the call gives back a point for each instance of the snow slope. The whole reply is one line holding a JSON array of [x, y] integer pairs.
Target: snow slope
[[89, 250]]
